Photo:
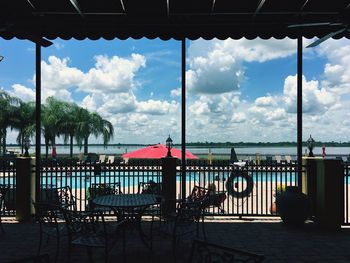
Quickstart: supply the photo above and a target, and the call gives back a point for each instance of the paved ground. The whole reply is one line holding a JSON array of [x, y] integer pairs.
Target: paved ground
[[277, 242]]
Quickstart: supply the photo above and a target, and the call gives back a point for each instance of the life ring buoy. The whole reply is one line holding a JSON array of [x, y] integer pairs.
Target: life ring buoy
[[231, 188]]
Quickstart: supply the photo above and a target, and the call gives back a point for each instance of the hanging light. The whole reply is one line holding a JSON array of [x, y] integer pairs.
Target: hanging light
[[310, 145], [169, 145]]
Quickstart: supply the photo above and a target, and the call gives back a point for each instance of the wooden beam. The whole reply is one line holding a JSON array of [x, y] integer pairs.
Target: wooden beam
[[77, 7]]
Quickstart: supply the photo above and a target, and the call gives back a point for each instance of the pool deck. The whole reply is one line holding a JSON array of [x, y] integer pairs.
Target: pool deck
[[267, 236]]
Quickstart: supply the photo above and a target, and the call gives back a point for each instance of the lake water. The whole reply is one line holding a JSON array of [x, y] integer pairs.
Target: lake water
[[118, 150]]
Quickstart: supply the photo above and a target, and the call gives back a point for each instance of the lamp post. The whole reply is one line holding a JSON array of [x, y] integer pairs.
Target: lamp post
[[26, 143], [310, 145], [169, 145]]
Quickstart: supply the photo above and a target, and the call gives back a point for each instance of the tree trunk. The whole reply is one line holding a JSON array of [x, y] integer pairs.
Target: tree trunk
[[86, 145], [71, 146], [4, 132], [46, 148], [0, 144], [22, 140]]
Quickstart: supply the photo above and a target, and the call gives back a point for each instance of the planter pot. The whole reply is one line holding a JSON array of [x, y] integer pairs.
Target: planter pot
[[293, 206], [273, 208]]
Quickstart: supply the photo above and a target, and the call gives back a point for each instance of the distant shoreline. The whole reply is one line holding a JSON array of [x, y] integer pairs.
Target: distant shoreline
[[212, 144]]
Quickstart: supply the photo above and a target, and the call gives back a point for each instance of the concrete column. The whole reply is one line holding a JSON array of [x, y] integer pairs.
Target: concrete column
[[169, 184], [330, 193], [25, 188]]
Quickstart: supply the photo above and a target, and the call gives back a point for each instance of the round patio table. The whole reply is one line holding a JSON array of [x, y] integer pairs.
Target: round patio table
[[130, 208], [126, 201]]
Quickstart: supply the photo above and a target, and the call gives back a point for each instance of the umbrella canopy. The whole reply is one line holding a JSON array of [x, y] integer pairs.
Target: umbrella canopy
[[156, 152]]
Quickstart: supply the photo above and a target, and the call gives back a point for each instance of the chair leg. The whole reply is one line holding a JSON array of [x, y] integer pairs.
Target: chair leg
[[203, 230]]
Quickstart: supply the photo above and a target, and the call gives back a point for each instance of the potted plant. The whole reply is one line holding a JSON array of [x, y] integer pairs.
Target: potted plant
[[293, 206]]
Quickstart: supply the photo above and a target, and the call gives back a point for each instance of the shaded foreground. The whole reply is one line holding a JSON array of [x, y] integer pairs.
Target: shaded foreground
[[270, 237]]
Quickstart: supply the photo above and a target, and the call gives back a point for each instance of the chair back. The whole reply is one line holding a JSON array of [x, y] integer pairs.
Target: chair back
[[46, 214], [103, 189], [102, 158], [111, 159], [3, 192], [61, 196], [89, 224], [212, 253], [149, 187]]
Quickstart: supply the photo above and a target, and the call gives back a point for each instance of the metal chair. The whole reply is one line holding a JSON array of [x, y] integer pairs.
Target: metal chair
[[44, 258], [60, 196], [184, 223], [3, 192], [91, 231], [101, 189], [48, 216], [212, 253]]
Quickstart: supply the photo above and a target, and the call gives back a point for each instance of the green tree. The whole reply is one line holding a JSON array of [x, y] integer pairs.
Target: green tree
[[52, 118], [93, 124], [24, 121], [8, 106]]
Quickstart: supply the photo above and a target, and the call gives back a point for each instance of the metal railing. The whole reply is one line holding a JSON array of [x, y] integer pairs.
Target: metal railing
[[8, 179], [250, 189]]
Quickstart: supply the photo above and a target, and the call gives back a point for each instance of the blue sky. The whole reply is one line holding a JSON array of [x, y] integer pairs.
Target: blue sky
[[238, 90]]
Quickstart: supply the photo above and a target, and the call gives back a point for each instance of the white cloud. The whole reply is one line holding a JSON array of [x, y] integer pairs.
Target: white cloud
[[316, 100], [114, 74], [217, 66], [265, 101], [157, 107], [22, 92], [175, 92], [238, 117]]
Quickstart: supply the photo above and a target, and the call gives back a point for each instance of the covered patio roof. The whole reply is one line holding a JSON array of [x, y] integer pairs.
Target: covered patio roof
[[167, 19]]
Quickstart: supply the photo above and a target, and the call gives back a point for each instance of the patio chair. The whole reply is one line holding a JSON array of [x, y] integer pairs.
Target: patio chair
[[44, 258], [278, 159], [102, 158], [90, 230], [101, 189], [48, 215], [3, 192], [288, 159], [111, 159], [202, 251], [210, 197], [61, 197], [186, 222], [151, 187]]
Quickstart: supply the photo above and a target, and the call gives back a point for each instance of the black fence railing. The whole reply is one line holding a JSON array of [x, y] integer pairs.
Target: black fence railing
[[250, 190], [8, 179]]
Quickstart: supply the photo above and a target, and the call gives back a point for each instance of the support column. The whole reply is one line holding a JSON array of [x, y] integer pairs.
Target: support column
[[37, 118], [183, 119], [169, 184], [25, 189], [300, 109]]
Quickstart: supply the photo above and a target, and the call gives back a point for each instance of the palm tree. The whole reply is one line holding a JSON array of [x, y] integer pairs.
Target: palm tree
[[24, 122], [93, 123], [8, 106], [52, 117]]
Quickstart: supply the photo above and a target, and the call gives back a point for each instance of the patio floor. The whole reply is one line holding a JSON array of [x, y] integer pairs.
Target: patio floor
[[270, 237]]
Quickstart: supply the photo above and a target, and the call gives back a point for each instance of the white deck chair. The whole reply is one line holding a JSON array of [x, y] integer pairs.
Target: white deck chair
[[278, 158], [102, 158], [288, 158], [110, 159]]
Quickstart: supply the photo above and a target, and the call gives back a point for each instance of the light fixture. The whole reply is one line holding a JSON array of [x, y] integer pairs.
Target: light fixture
[[26, 143], [169, 145], [310, 145]]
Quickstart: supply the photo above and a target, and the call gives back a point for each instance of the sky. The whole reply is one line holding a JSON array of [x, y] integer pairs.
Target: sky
[[237, 90]]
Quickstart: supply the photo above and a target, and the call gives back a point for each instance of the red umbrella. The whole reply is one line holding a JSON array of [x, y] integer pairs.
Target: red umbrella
[[155, 152]]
